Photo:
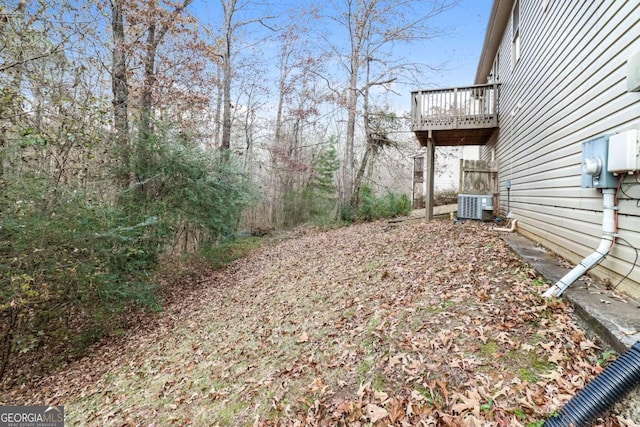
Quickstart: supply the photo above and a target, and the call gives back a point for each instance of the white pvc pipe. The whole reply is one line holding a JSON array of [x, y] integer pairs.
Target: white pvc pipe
[[509, 229], [608, 232]]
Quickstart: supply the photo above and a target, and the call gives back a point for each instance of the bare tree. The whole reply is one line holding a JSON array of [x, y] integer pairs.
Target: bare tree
[[374, 28], [156, 31], [120, 89], [11, 30], [49, 108], [299, 101], [229, 7], [230, 26]]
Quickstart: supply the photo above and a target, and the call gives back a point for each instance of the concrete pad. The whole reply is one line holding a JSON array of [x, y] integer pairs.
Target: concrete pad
[[614, 318]]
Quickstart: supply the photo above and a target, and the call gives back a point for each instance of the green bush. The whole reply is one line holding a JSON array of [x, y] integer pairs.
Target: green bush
[[322, 189], [346, 213], [71, 262], [296, 207], [396, 205], [371, 207], [316, 200], [67, 265], [182, 184]]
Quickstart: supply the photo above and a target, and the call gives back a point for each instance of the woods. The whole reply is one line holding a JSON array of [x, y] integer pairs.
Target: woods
[[131, 131]]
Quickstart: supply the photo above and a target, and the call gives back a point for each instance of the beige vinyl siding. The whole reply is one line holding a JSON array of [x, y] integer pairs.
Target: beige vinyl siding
[[569, 86]]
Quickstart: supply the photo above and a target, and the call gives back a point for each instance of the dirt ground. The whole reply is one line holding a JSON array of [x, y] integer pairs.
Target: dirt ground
[[380, 324]]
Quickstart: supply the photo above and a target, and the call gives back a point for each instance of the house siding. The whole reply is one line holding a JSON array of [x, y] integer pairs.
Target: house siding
[[569, 86]]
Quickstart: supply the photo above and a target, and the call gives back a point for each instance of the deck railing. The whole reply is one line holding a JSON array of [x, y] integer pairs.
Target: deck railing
[[455, 108]]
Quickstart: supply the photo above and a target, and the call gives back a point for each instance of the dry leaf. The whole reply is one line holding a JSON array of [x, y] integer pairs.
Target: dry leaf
[[303, 338], [375, 413], [445, 304], [380, 396], [587, 344], [556, 357]]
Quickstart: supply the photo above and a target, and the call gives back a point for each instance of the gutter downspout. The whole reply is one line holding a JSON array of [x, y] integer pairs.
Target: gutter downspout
[[608, 239]]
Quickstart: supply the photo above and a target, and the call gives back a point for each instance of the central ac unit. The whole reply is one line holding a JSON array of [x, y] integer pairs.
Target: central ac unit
[[473, 206]]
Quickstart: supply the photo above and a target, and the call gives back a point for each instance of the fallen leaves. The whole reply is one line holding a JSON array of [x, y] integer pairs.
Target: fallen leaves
[[469, 402], [375, 413], [424, 324], [303, 338]]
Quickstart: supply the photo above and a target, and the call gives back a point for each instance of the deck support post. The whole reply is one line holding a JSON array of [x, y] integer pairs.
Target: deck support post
[[429, 174]]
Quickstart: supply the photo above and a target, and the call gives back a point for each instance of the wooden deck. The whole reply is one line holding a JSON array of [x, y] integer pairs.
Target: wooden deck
[[455, 116]]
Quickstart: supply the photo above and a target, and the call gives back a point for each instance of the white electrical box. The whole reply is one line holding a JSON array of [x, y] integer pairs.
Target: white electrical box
[[633, 73], [624, 152]]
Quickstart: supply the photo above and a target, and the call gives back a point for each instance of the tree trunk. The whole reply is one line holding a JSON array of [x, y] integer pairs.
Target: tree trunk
[[153, 41], [355, 198], [120, 92], [225, 145], [216, 133], [149, 82], [352, 102], [357, 23], [277, 184], [229, 10]]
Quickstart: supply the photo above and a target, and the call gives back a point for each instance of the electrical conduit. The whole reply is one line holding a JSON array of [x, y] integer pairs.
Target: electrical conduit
[[608, 238], [606, 389]]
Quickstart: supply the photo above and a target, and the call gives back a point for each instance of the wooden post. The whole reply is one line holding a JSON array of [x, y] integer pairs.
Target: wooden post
[[413, 184], [461, 177], [429, 178], [417, 188]]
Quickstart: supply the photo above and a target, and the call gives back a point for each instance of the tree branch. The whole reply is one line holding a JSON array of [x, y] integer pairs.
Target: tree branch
[[33, 58]]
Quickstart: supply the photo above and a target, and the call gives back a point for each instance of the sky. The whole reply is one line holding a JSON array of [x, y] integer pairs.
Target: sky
[[455, 53], [458, 50], [461, 47]]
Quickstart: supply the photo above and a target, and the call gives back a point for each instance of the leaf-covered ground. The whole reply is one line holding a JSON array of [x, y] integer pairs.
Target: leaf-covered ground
[[375, 324]]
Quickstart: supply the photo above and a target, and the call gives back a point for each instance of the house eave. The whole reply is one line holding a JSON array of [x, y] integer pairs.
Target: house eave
[[498, 20]]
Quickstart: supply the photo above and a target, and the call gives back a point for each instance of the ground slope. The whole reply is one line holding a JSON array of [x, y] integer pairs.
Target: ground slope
[[375, 324]]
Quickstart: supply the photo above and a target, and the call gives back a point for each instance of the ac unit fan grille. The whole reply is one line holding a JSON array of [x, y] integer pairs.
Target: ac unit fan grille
[[472, 206], [469, 207]]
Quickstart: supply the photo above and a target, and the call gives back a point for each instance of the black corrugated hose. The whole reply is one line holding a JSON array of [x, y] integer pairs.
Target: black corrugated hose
[[611, 385]]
